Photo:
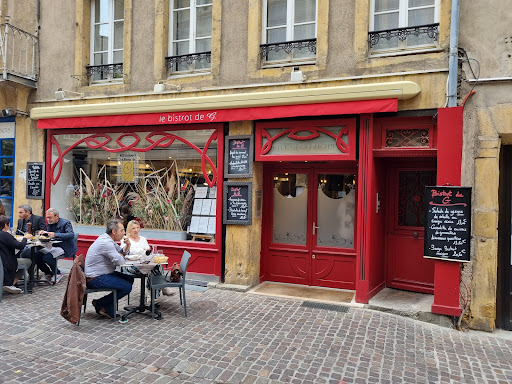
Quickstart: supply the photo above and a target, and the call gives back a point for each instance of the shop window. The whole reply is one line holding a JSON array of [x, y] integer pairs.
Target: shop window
[[107, 33], [156, 177], [7, 175], [289, 31], [190, 36], [402, 25]]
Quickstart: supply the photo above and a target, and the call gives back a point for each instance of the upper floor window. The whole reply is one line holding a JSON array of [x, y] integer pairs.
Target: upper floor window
[[289, 31], [190, 40], [107, 32], [403, 24]]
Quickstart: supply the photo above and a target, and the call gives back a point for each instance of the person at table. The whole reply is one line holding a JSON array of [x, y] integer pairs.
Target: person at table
[[139, 247], [25, 217], [61, 230], [8, 245], [100, 267]]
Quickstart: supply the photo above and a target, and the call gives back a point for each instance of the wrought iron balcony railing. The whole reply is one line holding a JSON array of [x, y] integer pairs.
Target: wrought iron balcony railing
[[430, 30], [288, 47], [202, 58], [18, 55], [105, 70]]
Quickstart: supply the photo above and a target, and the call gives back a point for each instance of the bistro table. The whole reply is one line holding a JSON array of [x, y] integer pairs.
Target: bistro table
[[144, 269]]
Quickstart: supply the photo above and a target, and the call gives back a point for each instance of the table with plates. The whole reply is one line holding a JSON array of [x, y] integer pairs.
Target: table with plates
[[144, 268]]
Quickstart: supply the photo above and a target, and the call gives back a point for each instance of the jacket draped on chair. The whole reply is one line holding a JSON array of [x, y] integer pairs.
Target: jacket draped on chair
[[74, 296]]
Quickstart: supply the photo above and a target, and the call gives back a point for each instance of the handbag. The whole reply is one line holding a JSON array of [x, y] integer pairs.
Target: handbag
[[174, 274]]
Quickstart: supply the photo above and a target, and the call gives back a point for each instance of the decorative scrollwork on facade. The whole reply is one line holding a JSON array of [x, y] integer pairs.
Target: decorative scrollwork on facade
[[114, 69], [431, 30], [397, 138], [288, 47], [154, 139], [171, 61]]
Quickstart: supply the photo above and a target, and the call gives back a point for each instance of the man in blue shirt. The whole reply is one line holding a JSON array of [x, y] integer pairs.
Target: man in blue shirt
[[58, 229], [100, 263]]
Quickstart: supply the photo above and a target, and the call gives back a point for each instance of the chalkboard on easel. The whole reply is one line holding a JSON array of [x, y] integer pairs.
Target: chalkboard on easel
[[448, 223], [35, 180], [237, 203], [238, 156]]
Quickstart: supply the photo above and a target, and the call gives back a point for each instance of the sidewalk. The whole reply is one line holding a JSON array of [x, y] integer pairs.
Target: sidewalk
[[233, 337]]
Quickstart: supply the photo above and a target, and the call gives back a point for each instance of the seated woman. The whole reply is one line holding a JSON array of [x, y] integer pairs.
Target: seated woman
[[139, 247], [8, 245]]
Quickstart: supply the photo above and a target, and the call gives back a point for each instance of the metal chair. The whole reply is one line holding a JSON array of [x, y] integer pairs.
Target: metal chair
[[25, 276], [160, 281], [92, 290]]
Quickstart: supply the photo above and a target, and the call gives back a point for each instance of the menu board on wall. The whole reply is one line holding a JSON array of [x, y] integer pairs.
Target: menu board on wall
[[237, 203], [35, 180], [447, 223], [238, 157]]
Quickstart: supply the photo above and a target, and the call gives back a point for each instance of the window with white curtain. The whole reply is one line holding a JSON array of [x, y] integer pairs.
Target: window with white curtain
[[190, 37], [396, 19], [107, 32], [289, 30]]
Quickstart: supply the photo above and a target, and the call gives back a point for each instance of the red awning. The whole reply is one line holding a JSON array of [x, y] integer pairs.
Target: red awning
[[223, 115]]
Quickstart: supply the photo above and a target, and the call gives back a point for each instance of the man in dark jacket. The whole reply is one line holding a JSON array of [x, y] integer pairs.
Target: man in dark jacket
[[25, 216], [57, 229]]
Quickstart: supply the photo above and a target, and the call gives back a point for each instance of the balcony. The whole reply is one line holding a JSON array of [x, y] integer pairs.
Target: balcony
[[18, 56]]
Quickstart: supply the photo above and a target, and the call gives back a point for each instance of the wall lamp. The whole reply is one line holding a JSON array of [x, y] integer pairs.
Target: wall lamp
[[8, 112], [160, 87], [61, 93]]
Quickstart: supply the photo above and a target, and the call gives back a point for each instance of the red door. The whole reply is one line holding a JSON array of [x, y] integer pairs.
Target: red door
[[309, 222], [406, 267]]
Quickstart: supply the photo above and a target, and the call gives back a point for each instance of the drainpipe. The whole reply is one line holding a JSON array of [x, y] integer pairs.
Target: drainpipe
[[454, 54]]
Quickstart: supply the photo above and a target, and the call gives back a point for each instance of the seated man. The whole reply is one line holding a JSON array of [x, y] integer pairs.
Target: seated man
[[100, 263], [25, 217], [58, 229], [37, 223]]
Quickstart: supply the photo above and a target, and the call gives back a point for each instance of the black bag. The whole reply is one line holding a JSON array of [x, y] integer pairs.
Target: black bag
[[174, 273]]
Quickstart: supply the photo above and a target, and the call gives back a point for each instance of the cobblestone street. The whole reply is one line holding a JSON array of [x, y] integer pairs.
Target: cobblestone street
[[232, 337]]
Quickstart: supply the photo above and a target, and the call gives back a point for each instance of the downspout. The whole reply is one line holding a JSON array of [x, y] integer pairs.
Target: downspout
[[454, 54]]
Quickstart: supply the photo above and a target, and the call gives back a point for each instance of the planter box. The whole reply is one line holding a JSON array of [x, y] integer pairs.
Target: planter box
[[147, 233]]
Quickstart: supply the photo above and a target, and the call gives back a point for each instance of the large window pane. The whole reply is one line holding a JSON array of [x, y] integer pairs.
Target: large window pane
[[5, 187], [336, 210], [305, 10], [118, 9], [158, 185], [101, 10], [181, 24], [203, 22], [386, 21], [203, 45], [421, 16], [276, 13], [290, 208], [7, 167], [386, 5], [181, 4], [276, 35], [306, 31], [101, 36], [181, 48], [118, 34], [204, 2]]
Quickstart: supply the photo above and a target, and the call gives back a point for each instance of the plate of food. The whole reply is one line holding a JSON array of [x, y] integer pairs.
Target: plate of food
[[132, 257], [44, 238]]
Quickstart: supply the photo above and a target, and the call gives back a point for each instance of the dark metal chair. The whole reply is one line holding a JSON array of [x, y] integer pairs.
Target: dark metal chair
[[92, 290], [161, 281]]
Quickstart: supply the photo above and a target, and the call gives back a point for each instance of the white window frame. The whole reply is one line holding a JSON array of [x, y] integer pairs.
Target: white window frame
[[290, 24], [193, 6], [110, 49], [403, 21]]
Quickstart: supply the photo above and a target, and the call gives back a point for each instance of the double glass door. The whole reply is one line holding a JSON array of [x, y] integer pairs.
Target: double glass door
[[309, 232]]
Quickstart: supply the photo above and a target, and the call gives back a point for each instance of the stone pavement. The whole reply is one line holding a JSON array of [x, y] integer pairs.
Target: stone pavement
[[233, 337]]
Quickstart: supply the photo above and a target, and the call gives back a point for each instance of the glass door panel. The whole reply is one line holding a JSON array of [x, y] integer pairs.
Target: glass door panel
[[336, 210], [290, 208]]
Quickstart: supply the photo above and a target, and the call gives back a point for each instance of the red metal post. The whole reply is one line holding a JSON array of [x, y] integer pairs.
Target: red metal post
[[449, 162]]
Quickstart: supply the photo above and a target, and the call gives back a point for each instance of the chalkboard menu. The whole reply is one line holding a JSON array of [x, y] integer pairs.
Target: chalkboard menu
[[237, 203], [35, 180], [238, 156], [448, 223]]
